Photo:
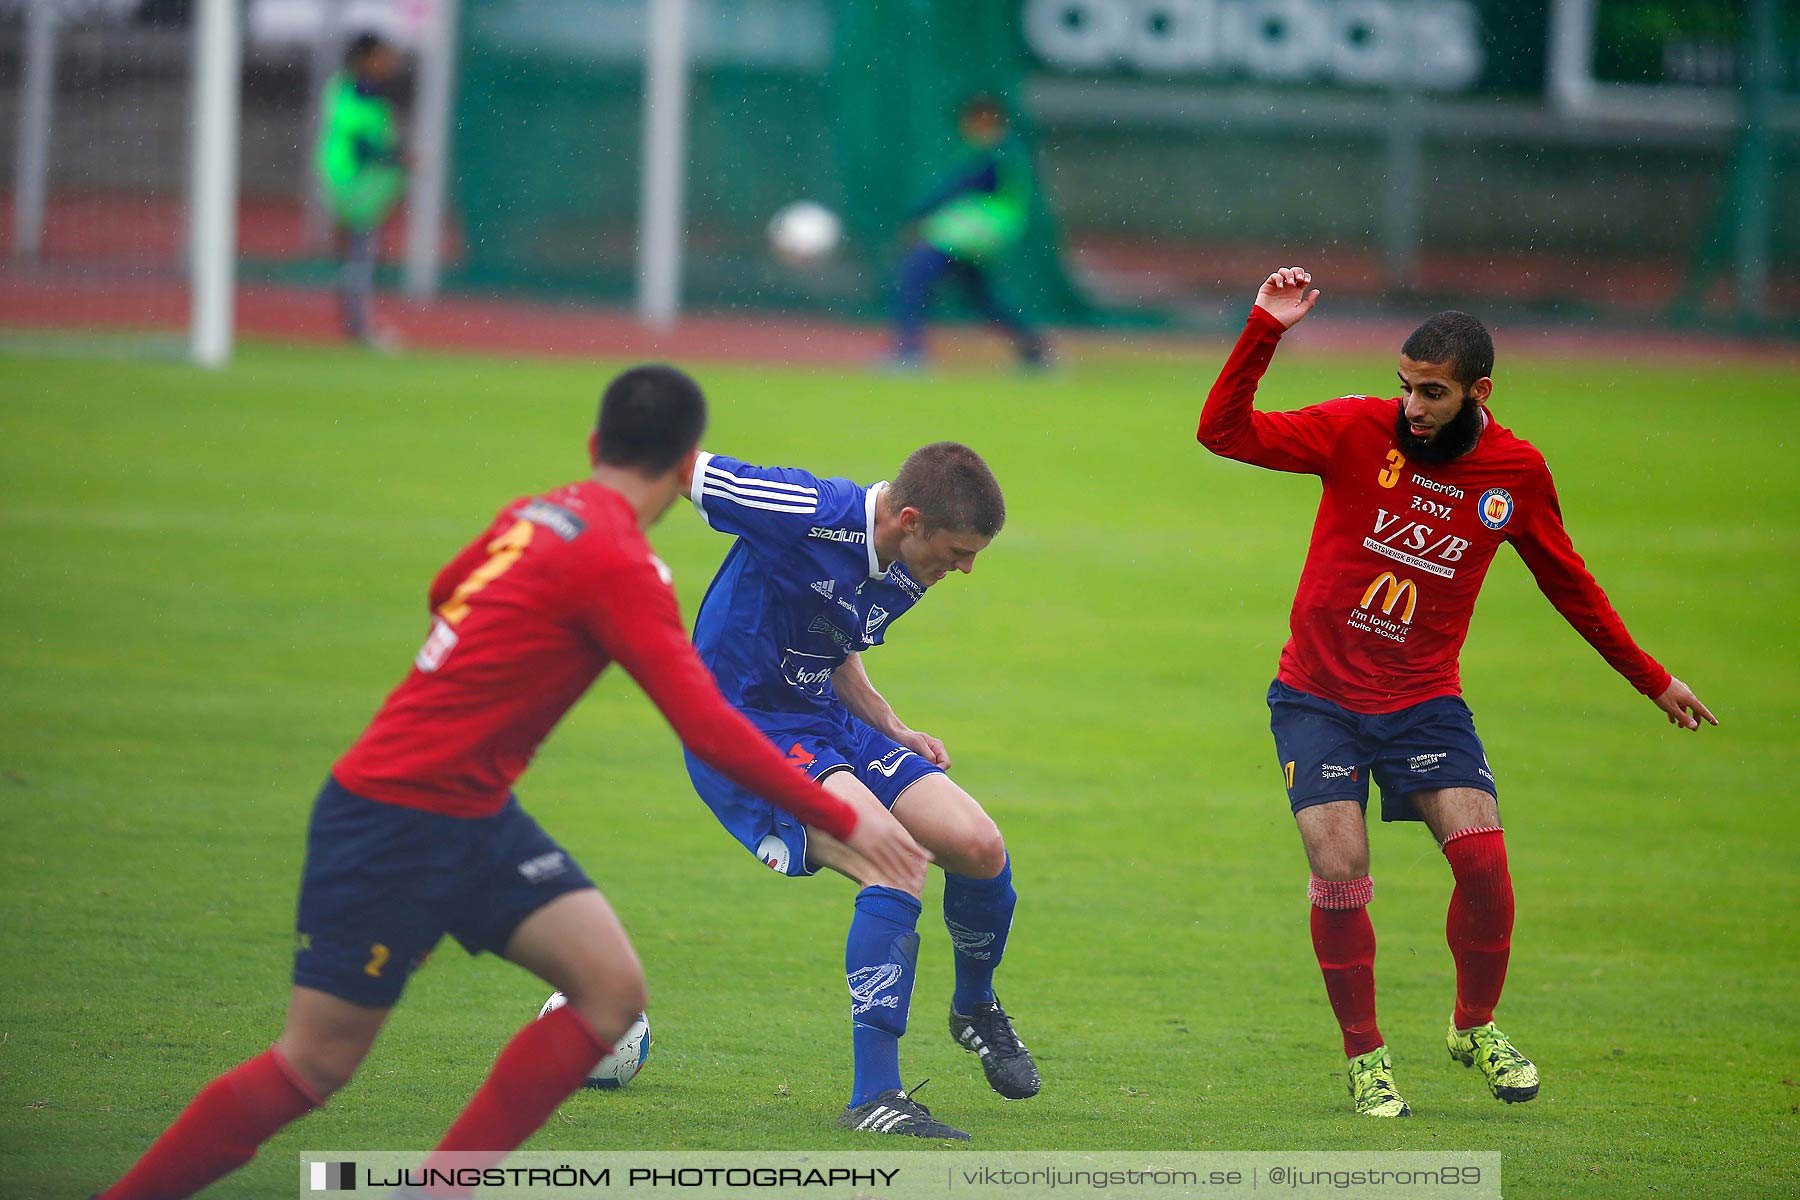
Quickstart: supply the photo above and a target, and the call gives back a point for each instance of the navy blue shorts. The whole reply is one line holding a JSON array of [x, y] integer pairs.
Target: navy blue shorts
[[1328, 753], [383, 883], [883, 765]]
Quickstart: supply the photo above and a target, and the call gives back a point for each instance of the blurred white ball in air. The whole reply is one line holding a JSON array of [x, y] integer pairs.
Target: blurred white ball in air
[[805, 233]]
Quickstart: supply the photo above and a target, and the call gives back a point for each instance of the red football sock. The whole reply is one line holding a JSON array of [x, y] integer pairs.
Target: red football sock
[[545, 1062], [219, 1131], [1344, 940], [1479, 927]]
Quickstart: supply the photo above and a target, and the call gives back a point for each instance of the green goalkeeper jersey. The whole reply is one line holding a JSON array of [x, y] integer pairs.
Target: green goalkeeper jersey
[[359, 154], [982, 212]]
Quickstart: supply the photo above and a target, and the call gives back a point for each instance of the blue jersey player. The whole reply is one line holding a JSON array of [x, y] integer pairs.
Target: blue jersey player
[[821, 570]]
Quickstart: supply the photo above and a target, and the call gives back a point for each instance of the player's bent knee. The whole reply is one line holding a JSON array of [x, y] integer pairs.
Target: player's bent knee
[[1337, 859], [983, 855], [1340, 869], [609, 1021], [612, 1003], [324, 1067], [630, 997], [1337, 845], [325, 1038]]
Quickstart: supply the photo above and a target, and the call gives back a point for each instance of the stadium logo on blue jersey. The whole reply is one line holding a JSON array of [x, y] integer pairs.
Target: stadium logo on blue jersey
[[1495, 508], [853, 536]]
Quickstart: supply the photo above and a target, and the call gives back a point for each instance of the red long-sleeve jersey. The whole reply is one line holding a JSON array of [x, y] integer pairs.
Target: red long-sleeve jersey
[[1399, 549], [523, 620]]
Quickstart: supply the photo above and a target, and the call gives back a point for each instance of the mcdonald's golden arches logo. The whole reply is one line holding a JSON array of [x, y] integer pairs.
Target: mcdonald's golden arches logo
[[1397, 589]]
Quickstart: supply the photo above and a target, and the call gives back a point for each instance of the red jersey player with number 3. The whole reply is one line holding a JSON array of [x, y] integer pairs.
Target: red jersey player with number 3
[[1419, 494], [416, 833]]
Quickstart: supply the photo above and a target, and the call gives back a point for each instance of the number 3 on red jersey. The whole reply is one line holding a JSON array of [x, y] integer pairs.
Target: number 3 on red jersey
[[503, 552]]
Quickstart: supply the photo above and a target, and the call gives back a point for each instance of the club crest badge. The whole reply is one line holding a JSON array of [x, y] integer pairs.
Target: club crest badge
[[1495, 508]]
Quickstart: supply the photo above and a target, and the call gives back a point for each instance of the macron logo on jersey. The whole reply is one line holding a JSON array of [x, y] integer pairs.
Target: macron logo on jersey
[[769, 494]]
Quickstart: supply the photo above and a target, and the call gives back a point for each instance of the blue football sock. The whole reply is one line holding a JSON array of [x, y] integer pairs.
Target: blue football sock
[[978, 913], [880, 955]]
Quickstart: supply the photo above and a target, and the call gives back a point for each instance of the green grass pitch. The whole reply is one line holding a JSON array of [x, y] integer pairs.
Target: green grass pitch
[[212, 579]]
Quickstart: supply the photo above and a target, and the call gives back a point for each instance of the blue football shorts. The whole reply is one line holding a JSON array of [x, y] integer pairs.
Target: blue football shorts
[[1327, 752], [384, 883], [777, 838]]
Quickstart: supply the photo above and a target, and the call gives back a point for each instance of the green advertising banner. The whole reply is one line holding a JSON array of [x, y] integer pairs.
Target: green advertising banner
[[1477, 47]]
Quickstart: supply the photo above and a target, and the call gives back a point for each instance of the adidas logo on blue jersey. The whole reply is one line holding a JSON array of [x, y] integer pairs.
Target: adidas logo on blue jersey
[[824, 587]]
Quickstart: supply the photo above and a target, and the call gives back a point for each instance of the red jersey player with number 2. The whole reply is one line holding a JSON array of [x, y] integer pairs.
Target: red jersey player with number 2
[[416, 833], [1419, 494]]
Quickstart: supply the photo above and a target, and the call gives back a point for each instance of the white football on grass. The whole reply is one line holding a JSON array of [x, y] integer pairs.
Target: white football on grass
[[628, 1057]]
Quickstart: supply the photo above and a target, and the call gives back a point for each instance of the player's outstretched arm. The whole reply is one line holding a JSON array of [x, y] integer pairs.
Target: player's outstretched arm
[[1285, 297], [1543, 543], [1230, 425], [1682, 706], [853, 686]]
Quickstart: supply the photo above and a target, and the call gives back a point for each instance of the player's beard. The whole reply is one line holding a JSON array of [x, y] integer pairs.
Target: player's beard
[[1453, 440]]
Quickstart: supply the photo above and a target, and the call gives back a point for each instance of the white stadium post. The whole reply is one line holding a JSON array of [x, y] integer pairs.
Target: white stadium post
[[431, 143], [665, 158], [31, 159], [1403, 206], [213, 179], [1571, 54]]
